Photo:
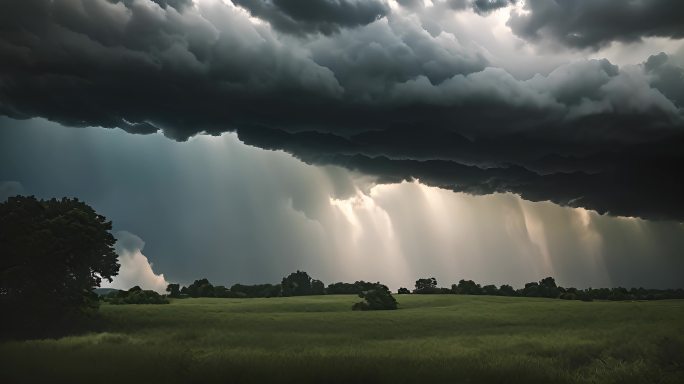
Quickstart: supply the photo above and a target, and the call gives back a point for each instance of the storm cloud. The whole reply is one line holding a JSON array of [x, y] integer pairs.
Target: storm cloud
[[365, 86], [216, 208], [325, 16], [594, 23], [480, 6]]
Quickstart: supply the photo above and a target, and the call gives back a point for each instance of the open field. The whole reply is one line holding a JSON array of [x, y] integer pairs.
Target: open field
[[318, 339]]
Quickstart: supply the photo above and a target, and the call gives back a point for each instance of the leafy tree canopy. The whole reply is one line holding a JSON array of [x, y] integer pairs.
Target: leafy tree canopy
[[297, 284], [427, 285], [377, 298], [53, 253]]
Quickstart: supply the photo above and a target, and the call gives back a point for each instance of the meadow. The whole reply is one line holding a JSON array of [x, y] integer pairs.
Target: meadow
[[318, 339]]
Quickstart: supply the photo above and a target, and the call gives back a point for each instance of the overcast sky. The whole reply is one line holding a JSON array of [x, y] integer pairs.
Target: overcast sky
[[239, 140]]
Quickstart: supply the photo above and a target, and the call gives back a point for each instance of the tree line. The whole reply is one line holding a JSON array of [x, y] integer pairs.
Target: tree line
[[376, 295], [298, 283], [301, 284], [547, 288]]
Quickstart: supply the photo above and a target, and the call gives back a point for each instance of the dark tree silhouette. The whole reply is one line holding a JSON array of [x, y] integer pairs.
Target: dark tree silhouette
[[297, 284], [199, 288], [173, 290], [467, 287], [506, 290], [428, 285], [350, 288], [135, 295], [317, 287], [378, 298], [256, 290], [490, 290], [53, 253], [403, 291]]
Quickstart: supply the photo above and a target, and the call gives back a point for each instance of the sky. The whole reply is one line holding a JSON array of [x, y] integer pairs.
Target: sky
[[495, 140]]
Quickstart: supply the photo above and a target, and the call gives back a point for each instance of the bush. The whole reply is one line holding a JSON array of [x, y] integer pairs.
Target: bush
[[378, 298]]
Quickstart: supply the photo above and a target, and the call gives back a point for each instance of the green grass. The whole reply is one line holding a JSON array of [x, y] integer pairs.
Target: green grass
[[431, 339]]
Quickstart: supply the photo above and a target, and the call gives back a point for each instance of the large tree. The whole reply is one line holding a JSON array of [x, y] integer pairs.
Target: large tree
[[53, 253]]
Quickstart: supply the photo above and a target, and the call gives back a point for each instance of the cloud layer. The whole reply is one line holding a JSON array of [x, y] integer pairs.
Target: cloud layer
[[394, 91]]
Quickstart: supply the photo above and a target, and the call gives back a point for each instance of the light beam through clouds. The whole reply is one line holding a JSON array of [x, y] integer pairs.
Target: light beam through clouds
[[214, 207]]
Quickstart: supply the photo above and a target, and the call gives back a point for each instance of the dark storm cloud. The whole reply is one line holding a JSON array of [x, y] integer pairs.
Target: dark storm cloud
[[668, 77], [595, 23], [177, 4], [385, 97], [325, 16], [480, 6]]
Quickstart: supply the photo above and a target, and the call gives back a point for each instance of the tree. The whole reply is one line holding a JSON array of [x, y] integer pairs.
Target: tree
[[378, 298], [173, 290], [506, 290], [135, 295], [548, 288], [428, 285], [297, 284], [317, 287], [257, 290], [199, 288], [221, 291], [53, 253], [403, 291], [490, 290], [531, 289], [468, 287]]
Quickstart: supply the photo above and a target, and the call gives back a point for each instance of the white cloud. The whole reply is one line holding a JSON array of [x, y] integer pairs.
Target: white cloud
[[135, 267]]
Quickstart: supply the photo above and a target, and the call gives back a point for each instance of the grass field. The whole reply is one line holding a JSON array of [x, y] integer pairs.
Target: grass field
[[431, 339]]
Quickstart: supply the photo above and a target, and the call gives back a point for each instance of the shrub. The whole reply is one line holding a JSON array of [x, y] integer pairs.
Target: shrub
[[378, 298]]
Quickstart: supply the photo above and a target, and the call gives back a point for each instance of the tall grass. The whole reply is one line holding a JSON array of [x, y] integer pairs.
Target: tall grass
[[435, 339]]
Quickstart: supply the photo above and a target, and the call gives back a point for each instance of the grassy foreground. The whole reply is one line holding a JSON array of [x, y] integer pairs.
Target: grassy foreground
[[431, 339]]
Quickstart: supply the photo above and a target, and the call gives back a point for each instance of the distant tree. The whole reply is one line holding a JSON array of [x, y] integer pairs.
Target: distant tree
[[548, 282], [531, 289], [377, 298], [468, 287], [135, 295], [297, 284], [342, 289], [548, 288], [200, 288], [317, 287], [506, 290], [173, 290], [257, 290], [426, 285], [490, 290], [221, 291], [403, 291], [351, 288], [53, 253]]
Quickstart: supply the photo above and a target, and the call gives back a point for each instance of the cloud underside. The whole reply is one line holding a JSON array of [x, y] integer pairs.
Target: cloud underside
[[361, 85], [596, 23]]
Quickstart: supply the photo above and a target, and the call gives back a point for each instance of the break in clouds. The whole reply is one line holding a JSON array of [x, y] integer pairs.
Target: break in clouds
[[473, 96]]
